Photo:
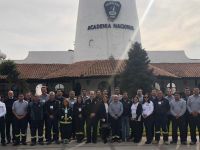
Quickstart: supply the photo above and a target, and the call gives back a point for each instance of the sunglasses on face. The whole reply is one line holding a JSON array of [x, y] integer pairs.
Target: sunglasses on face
[[145, 97]]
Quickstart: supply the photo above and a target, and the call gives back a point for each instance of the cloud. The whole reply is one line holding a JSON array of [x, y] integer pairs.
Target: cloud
[[51, 25], [172, 25], [36, 25]]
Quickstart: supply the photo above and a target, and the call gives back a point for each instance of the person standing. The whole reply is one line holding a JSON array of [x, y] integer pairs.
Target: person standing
[[84, 95], [186, 96], [65, 122], [2, 122], [52, 108], [59, 95], [153, 98], [169, 97], [104, 119], [44, 96], [20, 110], [125, 116], [116, 92], [140, 95], [9, 116], [72, 101], [147, 114], [28, 97], [36, 115], [99, 95], [115, 111], [91, 110], [161, 111], [136, 123], [79, 116], [178, 109], [193, 107]]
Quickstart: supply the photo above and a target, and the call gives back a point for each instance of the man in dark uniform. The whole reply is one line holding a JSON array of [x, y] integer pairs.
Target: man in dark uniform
[[186, 96], [91, 109], [36, 114], [161, 109], [44, 98], [79, 117], [98, 96], [52, 107], [28, 97], [59, 95], [72, 101], [84, 95], [9, 116], [104, 119]]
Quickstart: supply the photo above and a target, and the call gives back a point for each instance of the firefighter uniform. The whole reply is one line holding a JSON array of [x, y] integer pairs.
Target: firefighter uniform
[[78, 116], [9, 118], [161, 109], [20, 109], [52, 108], [36, 114], [65, 124], [91, 109]]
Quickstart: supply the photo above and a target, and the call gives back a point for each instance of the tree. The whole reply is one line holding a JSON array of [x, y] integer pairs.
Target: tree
[[137, 73], [8, 68]]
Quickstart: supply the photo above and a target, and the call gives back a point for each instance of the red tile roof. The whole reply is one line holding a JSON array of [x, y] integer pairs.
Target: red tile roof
[[37, 71], [181, 69], [102, 68]]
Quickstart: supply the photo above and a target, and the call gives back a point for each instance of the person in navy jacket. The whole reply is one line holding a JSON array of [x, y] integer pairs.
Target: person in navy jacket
[[104, 119]]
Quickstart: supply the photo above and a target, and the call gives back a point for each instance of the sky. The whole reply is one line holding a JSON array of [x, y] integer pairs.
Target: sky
[[50, 25]]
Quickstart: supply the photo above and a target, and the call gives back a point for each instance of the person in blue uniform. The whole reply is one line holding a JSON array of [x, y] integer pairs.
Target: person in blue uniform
[[161, 111]]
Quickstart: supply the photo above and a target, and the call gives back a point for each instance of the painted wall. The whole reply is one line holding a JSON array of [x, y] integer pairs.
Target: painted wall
[[94, 39]]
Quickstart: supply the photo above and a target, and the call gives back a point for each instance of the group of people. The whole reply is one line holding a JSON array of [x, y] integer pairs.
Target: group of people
[[52, 116]]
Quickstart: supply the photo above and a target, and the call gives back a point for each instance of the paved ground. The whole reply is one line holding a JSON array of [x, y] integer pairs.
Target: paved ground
[[100, 146]]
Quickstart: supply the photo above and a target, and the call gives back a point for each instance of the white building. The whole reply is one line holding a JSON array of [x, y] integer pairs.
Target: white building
[[105, 28]]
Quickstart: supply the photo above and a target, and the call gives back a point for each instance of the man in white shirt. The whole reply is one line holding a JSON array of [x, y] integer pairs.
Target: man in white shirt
[[2, 123]]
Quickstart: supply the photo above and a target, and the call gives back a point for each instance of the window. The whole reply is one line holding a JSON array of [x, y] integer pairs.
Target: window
[[157, 86], [173, 87], [38, 89], [59, 86]]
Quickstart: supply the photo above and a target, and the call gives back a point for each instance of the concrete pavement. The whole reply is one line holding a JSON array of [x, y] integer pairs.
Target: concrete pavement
[[100, 146]]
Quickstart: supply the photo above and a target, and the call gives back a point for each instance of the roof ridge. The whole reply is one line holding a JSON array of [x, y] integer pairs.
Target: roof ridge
[[164, 71]]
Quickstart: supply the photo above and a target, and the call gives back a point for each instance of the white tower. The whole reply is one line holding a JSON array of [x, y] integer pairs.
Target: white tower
[[105, 28]]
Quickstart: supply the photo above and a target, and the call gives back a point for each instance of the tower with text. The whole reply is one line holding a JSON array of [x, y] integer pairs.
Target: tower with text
[[105, 28]]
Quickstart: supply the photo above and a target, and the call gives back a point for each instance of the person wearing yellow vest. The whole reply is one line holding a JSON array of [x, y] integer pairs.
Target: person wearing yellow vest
[[65, 122]]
